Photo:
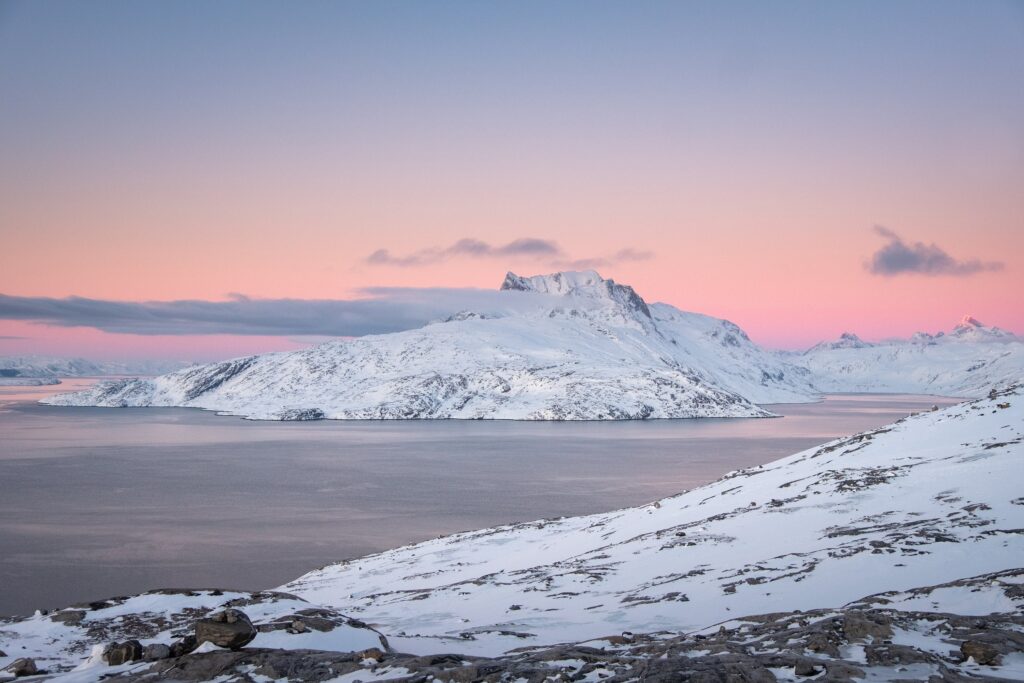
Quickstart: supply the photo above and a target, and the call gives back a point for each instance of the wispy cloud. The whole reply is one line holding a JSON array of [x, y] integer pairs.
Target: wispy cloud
[[621, 256], [526, 246], [897, 257], [540, 250]]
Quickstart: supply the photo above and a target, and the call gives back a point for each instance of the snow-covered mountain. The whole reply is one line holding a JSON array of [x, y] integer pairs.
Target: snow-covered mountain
[[925, 516], [566, 346], [967, 361], [47, 367], [930, 499]]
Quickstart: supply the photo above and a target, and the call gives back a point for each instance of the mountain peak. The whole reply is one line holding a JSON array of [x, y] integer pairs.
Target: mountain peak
[[567, 282], [967, 322], [584, 283], [847, 340]]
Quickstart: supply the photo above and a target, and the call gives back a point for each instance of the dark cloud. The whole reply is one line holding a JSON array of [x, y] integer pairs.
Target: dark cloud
[[237, 316], [7, 337], [542, 250], [384, 310], [898, 257]]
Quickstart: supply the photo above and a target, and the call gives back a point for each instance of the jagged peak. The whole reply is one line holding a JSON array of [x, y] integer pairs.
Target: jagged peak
[[846, 340], [586, 283], [565, 282], [967, 322]]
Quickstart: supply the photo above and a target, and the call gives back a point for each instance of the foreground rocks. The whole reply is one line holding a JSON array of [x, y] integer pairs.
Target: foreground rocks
[[229, 629], [851, 644], [26, 666]]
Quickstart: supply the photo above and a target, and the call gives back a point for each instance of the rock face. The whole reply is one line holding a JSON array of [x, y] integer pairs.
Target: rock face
[[230, 629]]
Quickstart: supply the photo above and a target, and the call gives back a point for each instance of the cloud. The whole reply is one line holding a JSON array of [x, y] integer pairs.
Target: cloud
[[897, 257], [542, 250], [383, 310], [7, 337], [621, 256]]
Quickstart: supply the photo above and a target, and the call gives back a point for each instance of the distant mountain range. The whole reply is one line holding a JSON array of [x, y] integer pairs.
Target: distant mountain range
[[46, 367], [968, 361], [571, 346]]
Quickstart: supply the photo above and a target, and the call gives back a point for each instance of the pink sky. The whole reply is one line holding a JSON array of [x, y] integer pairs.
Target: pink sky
[[751, 154]]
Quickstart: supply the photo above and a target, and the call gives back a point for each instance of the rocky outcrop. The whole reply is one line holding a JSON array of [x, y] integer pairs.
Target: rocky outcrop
[[861, 644], [25, 666], [230, 629]]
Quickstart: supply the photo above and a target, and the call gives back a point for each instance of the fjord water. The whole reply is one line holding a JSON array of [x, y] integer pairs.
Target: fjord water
[[99, 502]]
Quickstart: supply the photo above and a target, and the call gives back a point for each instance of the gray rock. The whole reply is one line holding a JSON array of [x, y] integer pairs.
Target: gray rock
[[983, 653], [805, 667], [858, 626], [230, 629], [71, 617], [155, 652], [184, 646], [25, 666], [121, 653]]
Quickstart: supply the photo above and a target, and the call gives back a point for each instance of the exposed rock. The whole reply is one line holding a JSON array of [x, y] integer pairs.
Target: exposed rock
[[230, 629], [858, 626], [184, 646], [71, 617], [122, 653], [805, 667], [983, 653], [156, 651], [25, 666]]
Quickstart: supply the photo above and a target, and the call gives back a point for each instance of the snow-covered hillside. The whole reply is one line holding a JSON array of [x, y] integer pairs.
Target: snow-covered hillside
[[931, 499], [967, 361], [924, 516], [567, 346], [46, 367]]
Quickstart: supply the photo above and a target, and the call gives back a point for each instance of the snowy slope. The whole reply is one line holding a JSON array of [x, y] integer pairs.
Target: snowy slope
[[567, 346], [48, 367], [967, 361], [930, 499], [925, 516], [64, 639]]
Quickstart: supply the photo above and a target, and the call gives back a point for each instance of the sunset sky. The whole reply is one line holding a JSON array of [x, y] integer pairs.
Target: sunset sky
[[799, 168]]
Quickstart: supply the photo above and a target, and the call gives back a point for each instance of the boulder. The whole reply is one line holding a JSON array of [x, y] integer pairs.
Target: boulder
[[121, 653], [155, 652], [374, 653], [26, 666], [230, 629], [983, 653], [184, 646], [71, 617], [805, 667], [858, 626]]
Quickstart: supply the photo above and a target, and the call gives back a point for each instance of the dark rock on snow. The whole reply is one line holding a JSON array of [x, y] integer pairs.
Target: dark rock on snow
[[230, 629]]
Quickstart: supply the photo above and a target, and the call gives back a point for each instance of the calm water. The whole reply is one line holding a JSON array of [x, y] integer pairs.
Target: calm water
[[98, 502]]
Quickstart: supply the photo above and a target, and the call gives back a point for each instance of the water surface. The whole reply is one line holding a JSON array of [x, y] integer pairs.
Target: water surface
[[98, 502]]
